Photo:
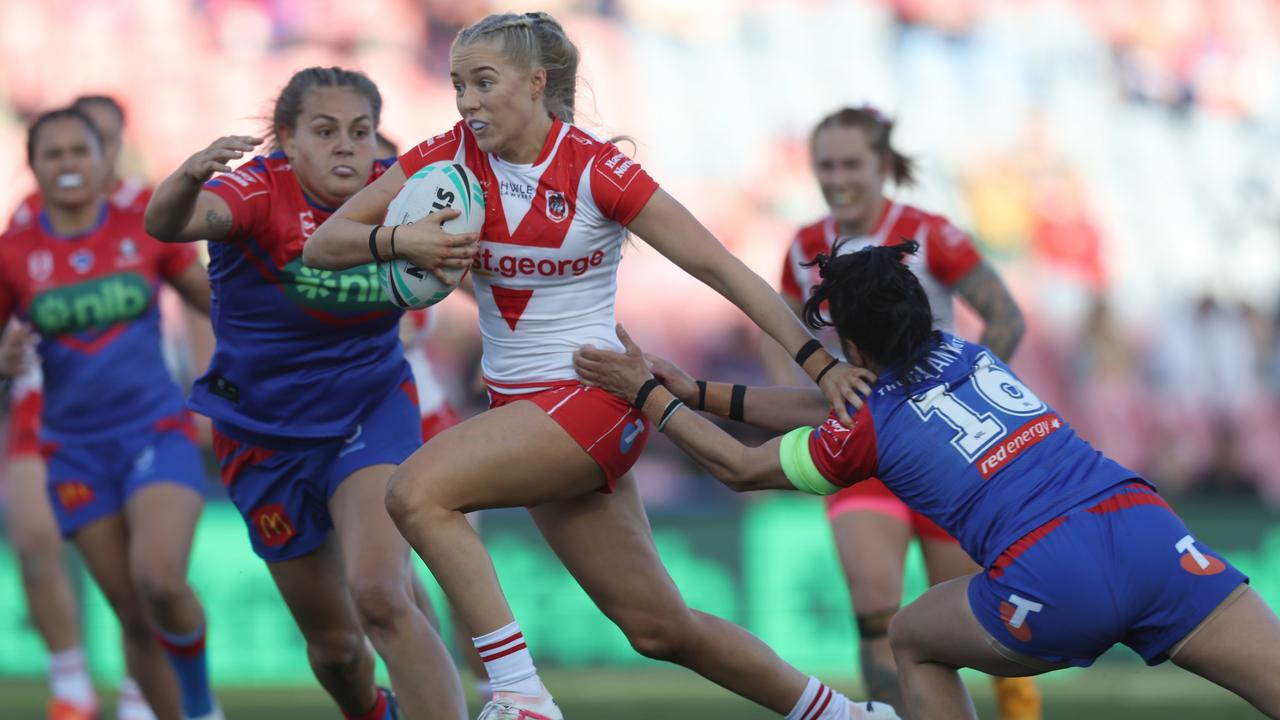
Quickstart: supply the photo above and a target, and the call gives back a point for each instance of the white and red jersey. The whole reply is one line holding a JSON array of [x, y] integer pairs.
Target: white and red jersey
[[431, 393], [946, 254], [546, 271]]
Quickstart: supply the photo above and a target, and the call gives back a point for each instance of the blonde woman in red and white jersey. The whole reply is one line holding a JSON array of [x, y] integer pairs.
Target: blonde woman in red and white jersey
[[853, 156], [559, 204]]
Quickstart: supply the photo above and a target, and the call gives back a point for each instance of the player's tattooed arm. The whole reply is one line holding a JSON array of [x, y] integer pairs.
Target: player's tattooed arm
[[217, 223], [986, 293]]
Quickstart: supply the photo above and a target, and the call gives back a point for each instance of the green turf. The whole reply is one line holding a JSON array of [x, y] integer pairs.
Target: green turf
[[1108, 693]]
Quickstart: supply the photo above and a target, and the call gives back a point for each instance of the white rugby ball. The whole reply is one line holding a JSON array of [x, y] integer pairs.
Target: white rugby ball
[[435, 187]]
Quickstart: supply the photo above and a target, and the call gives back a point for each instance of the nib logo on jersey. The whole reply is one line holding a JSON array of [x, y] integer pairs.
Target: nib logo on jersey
[[353, 290], [91, 305]]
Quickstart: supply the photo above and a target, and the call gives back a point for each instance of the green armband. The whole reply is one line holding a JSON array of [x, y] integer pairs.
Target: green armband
[[798, 465]]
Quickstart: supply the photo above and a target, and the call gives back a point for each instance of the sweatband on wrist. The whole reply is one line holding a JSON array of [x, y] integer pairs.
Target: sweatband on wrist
[[818, 380], [373, 243], [702, 394], [643, 395], [806, 351], [737, 398], [798, 466], [670, 410]]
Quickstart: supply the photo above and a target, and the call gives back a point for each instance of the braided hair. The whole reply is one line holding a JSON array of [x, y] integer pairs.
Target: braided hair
[[533, 40], [875, 302]]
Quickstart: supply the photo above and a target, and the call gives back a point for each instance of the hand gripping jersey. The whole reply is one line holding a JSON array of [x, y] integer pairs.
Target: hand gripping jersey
[[300, 352], [946, 254], [92, 298], [965, 443], [546, 271]]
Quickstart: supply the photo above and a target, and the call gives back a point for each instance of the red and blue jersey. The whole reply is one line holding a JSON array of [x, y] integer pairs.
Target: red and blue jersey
[[961, 440], [92, 298], [300, 352]]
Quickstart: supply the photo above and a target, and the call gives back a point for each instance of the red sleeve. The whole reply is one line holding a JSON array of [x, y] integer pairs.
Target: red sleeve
[[8, 294], [845, 455], [441, 147], [25, 213], [247, 193], [621, 187], [790, 287], [950, 252], [175, 258]]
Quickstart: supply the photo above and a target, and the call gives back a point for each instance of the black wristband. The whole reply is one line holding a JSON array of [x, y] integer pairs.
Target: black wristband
[[818, 380], [373, 243], [806, 351], [702, 394], [393, 242], [737, 398], [643, 395], [670, 410]]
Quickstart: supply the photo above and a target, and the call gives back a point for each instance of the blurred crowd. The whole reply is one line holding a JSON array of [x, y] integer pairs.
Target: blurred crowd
[[1112, 158]]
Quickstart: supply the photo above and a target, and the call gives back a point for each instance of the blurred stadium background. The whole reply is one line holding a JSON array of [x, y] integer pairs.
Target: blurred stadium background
[[1114, 158]]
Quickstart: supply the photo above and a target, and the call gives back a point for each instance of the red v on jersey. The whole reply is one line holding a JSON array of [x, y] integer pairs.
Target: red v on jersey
[[511, 303], [551, 209]]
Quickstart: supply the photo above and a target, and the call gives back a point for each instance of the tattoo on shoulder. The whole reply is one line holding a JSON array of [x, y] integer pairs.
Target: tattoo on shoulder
[[218, 224]]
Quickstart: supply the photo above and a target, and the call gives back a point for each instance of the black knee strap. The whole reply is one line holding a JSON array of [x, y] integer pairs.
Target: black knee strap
[[875, 625]]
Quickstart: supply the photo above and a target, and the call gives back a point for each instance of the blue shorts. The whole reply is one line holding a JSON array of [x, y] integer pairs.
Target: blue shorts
[[1120, 568], [92, 479], [282, 485]]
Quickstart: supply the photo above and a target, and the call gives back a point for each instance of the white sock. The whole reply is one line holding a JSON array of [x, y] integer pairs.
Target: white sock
[[69, 679], [508, 662], [130, 705], [819, 702]]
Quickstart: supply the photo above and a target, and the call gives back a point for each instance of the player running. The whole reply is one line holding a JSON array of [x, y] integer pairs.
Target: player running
[[312, 401], [853, 155], [124, 475], [29, 520], [559, 203], [1079, 553]]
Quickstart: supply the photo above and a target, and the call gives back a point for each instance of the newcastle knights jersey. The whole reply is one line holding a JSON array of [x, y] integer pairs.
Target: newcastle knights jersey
[[92, 299], [546, 271], [962, 441], [300, 352]]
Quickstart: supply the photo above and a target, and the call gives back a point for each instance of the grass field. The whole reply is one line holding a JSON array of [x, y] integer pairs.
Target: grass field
[[1109, 693]]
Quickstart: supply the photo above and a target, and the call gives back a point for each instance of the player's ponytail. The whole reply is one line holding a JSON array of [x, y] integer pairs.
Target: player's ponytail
[[875, 301], [879, 129], [532, 40]]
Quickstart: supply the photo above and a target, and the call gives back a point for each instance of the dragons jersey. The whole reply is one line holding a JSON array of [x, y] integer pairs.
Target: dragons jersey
[[969, 446], [946, 254], [546, 270], [92, 299], [300, 352]]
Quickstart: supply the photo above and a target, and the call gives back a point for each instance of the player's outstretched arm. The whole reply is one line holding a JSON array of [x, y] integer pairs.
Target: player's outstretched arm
[[354, 235], [775, 409], [671, 229], [1003, 324], [180, 209], [739, 467]]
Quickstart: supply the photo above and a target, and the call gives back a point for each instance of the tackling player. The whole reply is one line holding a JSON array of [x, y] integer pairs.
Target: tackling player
[[1078, 552], [312, 401]]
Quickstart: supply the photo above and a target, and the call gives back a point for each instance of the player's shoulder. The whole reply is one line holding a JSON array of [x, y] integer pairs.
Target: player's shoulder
[[443, 146], [261, 174], [814, 237]]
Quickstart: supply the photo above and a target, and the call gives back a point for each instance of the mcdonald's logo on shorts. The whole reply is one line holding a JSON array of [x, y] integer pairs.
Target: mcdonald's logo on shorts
[[273, 525], [74, 495]]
